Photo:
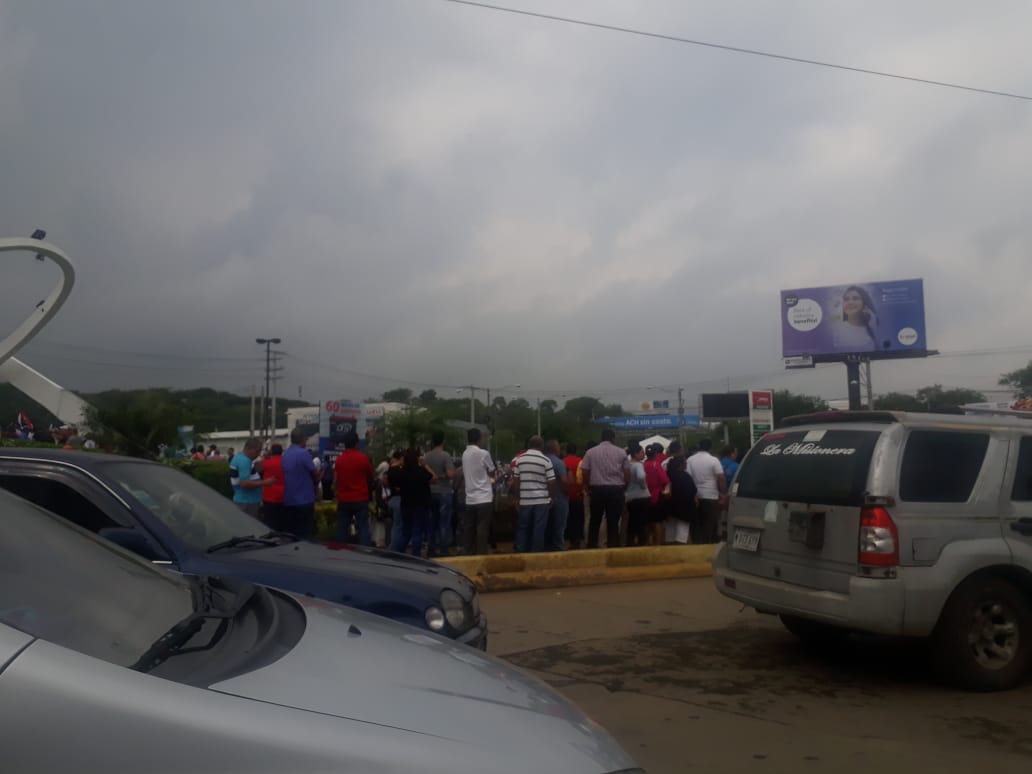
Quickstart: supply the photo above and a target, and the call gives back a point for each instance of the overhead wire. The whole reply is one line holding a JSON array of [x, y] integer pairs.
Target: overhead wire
[[144, 366], [156, 355], [739, 49], [236, 365]]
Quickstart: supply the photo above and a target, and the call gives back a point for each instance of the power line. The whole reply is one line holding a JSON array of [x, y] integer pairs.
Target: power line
[[375, 377], [142, 366], [983, 352], [157, 355], [739, 49]]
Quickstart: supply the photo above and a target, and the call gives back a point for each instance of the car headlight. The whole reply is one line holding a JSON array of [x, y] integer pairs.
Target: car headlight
[[454, 610], [435, 618]]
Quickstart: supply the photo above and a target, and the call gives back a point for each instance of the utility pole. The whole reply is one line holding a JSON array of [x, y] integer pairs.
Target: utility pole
[[276, 368], [268, 376], [680, 415]]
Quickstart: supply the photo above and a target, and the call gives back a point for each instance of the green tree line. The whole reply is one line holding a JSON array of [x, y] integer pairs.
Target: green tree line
[[137, 421]]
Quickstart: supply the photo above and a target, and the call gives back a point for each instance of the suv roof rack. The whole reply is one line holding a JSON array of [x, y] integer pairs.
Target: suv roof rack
[[975, 410], [824, 417]]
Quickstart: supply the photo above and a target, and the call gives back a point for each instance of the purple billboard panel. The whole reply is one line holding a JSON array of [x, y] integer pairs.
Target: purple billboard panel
[[885, 317]]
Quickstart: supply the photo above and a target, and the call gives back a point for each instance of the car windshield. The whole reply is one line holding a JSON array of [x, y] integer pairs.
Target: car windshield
[[61, 584], [194, 512]]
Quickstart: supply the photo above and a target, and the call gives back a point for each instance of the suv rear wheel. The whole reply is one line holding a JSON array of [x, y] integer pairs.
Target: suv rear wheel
[[814, 633], [983, 641]]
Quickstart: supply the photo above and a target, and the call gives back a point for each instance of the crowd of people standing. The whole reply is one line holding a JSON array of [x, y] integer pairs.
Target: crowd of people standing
[[431, 501], [643, 495]]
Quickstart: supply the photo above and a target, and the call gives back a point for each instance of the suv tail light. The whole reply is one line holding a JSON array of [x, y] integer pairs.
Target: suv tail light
[[879, 539]]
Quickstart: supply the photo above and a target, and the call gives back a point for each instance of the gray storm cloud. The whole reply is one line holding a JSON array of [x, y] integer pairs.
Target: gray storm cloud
[[437, 194]]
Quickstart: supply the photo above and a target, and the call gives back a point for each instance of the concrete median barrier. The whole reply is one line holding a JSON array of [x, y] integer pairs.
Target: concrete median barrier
[[506, 572]]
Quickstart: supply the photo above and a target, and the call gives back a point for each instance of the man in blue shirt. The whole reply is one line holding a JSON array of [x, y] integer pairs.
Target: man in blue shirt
[[299, 481], [244, 478], [729, 462], [555, 536]]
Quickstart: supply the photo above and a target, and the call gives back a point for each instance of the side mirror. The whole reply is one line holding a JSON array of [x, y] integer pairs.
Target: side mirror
[[135, 540]]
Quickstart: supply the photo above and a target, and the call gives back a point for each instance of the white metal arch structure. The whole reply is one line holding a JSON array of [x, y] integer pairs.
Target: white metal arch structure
[[64, 404], [46, 308]]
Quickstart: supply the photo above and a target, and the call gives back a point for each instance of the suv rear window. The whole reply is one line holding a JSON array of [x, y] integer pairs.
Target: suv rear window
[[828, 467], [1022, 491], [941, 467]]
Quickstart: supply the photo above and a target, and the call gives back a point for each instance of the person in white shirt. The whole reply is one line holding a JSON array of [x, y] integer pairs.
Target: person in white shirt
[[708, 474], [478, 475]]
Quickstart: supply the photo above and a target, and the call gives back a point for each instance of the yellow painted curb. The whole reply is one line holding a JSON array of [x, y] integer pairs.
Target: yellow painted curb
[[502, 572]]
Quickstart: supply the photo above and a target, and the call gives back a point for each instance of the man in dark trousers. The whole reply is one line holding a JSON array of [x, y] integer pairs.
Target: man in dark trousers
[[607, 471], [353, 474], [575, 494], [708, 474], [299, 481]]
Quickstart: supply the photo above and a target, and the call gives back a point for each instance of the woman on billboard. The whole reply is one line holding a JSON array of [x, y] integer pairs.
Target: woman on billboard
[[857, 330]]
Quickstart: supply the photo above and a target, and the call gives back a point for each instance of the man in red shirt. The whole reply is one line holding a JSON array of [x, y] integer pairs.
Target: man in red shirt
[[575, 493], [272, 495], [353, 473]]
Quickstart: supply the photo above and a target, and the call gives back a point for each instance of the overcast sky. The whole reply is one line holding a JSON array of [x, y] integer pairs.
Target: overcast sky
[[435, 194]]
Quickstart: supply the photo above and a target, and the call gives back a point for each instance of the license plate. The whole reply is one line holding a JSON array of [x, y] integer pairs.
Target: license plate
[[746, 540]]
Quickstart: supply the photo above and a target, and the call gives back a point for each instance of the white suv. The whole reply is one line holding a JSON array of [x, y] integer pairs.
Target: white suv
[[902, 524]]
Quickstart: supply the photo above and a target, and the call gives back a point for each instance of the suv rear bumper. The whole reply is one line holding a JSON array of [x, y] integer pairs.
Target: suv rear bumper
[[872, 604]]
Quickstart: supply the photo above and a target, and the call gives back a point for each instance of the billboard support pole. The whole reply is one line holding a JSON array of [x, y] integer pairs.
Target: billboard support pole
[[853, 384], [870, 387]]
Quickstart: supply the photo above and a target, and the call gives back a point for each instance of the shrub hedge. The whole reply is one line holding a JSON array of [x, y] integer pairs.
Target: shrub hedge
[[214, 473]]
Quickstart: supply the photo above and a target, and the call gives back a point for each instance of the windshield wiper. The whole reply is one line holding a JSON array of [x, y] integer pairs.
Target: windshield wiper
[[172, 642], [240, 540], [289, 537]]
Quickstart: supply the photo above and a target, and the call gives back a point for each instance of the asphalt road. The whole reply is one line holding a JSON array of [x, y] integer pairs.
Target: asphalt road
[[687, 682]]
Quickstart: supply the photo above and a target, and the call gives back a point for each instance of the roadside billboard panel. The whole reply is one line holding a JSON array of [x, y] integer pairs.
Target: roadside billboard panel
[[724, 405], [863, 319]]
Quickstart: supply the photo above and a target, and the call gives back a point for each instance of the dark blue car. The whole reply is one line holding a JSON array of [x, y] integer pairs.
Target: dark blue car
[[172, 519]]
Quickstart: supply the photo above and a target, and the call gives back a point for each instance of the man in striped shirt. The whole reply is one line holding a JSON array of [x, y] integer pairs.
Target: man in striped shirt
[[533, 480]]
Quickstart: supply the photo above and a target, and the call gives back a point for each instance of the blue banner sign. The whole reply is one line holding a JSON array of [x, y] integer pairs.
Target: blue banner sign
[[650, 421]]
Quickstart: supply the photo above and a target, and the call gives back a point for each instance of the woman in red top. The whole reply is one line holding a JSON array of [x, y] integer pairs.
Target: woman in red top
[[657, 482], [272, 495]]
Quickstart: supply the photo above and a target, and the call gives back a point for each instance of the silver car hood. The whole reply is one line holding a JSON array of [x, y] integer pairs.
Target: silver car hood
[[358, 666]]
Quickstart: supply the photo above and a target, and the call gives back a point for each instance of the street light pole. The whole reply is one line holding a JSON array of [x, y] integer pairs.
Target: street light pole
[[268, 375], [680, 415]]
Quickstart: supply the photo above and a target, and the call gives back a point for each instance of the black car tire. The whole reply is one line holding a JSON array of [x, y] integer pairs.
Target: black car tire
[[814, 633], [983, 640]]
